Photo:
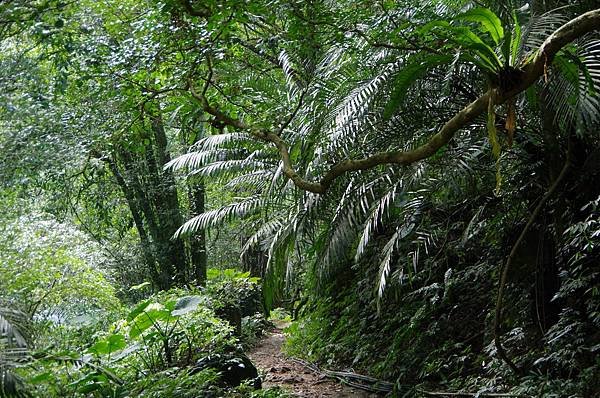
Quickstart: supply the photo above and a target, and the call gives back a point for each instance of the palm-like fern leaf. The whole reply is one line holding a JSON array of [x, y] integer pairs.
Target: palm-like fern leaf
[[538, 28], [410, 210], [13, 350], [193, 160], [11, 327], [212, 218], [377, 217], [574, 91], [216, 141]]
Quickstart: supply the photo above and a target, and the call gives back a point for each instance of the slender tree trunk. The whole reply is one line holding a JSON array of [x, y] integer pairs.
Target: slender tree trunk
[[254, 261], [197, 198], [198, 241]]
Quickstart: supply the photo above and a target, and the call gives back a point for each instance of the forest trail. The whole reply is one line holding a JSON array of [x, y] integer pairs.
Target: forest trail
[[280, 371]]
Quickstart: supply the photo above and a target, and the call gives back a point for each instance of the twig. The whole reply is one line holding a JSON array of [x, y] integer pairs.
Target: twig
[[375, 385], [466, 394]]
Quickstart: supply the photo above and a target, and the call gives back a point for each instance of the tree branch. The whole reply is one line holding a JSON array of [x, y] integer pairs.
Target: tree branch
[[504, 275], [532, 71], [189, 8]]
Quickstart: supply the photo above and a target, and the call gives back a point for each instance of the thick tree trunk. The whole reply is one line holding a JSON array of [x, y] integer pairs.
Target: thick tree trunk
[[166, 202], [142, 191], [151, 193], [165, 209], [145, 243]]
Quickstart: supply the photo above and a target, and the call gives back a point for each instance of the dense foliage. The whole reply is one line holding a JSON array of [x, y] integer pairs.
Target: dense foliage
[[415, 180]]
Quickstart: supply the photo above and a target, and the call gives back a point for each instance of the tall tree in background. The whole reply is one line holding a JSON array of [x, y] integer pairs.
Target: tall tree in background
[[103, 81]]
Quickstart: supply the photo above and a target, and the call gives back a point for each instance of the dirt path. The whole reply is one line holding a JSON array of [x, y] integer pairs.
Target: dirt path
[[277, 370]]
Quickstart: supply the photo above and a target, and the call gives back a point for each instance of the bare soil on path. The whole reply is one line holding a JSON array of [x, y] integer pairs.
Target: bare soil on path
[[278, 370]]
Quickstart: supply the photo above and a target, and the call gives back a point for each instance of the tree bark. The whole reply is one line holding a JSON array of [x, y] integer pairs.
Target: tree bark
[[138, 221], [163, 197], [198, 253]]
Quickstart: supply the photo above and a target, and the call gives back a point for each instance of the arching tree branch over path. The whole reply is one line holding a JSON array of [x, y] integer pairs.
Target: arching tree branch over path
[[531, 71]]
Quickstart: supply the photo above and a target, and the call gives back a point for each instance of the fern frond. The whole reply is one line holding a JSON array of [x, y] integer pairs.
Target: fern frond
[[256, 180], [408, 75], [291, 77], [537, 30], [216, 141], [215, 217], [193, 160], [410, 210], [266, 231], [589, 81], [12, 323], [279, 262], [573, 92], [229, 168], [13, 350], [349, 116], [376, 218], [385, 264]]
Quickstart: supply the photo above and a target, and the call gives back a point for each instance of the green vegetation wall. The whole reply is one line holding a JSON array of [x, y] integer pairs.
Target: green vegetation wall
[[417, 178]]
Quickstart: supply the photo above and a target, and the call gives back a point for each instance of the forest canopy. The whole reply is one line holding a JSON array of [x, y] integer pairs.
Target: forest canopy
[[414, 182]]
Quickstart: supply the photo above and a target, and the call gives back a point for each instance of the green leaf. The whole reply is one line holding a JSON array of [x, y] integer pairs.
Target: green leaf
[[213, 273], [488, 22], [186, 305], [100, 348], [492, 133], [571, 66], [156, 312], [147, 318], [480, 54], [469, 40], [140, 326], [89, 388], [138, 310], [41, 378], [493, 137], [107, 346], [431, 27], [409, 75], [568, 67], [506, 49], [116, 342], [515, 42]]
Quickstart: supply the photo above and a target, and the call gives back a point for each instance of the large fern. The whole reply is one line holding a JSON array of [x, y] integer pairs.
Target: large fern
[[357, 98], [14, 350]]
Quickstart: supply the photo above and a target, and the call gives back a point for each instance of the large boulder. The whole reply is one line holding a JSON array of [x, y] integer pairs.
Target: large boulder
[[233, 368]]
